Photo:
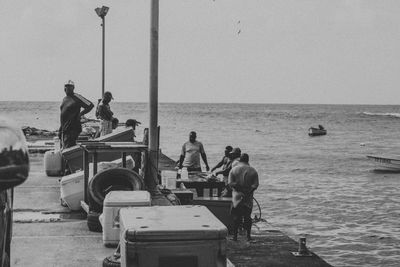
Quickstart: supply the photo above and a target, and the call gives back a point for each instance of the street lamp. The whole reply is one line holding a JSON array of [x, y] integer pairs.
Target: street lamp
[[102, 12]]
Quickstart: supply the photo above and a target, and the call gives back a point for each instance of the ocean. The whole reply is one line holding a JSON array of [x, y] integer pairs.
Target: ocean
[[323, 188]]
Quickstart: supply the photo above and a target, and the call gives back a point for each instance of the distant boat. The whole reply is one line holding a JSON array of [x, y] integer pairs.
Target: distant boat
[[391, 163], [312, 131]]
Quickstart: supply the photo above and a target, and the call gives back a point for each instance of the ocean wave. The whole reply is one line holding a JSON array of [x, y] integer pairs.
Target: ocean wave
[[387, 114]]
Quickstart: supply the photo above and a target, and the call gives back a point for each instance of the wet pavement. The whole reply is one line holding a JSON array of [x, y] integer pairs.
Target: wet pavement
[[46, 233]]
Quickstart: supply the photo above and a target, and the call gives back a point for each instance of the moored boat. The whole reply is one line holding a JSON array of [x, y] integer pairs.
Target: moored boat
[[390, 163], [312, 131]]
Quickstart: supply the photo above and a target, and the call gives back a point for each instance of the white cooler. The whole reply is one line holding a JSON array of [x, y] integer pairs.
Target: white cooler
[[72, 186], [171, 236], [113, 202]]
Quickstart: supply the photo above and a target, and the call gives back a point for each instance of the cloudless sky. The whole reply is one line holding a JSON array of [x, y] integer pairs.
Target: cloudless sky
[[250, 51]]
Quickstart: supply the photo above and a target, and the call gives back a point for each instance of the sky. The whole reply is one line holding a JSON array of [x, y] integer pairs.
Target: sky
[[213, 51]]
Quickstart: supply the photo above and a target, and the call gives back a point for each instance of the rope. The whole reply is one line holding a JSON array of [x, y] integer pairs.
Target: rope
[[259, 218]]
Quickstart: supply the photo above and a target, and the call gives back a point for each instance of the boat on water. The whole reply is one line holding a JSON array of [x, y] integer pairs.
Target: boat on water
[[312, 131], [390, 163]]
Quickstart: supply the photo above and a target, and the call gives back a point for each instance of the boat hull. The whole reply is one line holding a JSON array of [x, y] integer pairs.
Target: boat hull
[[385, 162], [316, 132]]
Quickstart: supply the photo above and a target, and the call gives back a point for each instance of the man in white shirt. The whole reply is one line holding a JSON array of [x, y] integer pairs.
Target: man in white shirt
[[190, 154]]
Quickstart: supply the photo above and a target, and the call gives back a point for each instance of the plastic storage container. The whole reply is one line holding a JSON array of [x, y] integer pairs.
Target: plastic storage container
[[168, 179], [53, 163], [71, 190], [184, 174], [113, 202], [185, 196], [171, 236], [72, 186], [220, 207]]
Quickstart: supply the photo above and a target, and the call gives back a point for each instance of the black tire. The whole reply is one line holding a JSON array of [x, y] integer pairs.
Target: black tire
[[94, 206], [111, 180], [111, 261], [93, 222]]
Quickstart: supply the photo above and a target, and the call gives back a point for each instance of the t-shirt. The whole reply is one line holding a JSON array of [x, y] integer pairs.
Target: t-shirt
[[105, 112], [70, 109], [192, 152], [244, 179]]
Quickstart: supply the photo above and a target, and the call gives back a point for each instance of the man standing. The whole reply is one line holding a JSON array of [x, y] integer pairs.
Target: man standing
[[225, 164], [105, 114], [243, 179], [235, 156], [190, 154], [71, 113]]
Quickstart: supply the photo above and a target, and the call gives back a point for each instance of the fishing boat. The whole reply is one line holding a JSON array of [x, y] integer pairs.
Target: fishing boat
[[391, 163], [312, 131]]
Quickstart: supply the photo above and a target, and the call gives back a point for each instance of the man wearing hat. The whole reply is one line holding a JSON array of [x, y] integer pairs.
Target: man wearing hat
[[243, 179], [105, 114], [190, 154], [71, 113]]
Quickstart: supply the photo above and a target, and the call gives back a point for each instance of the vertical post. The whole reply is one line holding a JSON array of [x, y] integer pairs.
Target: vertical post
[[103, 55], [152, 169]]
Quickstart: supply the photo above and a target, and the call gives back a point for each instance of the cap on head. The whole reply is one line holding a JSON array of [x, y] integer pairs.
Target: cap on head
[[236, 150], [244, 158], [228, 148], [70, 83], [108, 94]]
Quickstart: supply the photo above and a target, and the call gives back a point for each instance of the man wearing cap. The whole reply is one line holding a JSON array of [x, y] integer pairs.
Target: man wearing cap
[[71, 113], [190, 154], [243, 179], [225, 164], [105, 114]]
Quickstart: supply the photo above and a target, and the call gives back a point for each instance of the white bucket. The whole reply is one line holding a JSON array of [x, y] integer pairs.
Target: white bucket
[[168, 179]]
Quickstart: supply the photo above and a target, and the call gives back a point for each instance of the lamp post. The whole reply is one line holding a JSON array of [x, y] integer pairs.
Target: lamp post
[[102, 12]]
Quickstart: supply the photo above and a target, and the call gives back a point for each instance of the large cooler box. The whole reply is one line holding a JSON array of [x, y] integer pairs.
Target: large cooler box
[[72, 186], [219, 206], [113, 202], [74, 155], [53, 164], [179, 236]]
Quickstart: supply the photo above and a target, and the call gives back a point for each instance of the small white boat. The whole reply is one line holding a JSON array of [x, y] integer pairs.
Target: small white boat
[[391, 163]]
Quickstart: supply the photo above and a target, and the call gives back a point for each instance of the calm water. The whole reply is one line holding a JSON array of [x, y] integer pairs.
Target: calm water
[[320, 187]]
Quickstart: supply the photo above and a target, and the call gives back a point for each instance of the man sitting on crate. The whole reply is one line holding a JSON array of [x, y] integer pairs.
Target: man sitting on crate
[[243, 179]]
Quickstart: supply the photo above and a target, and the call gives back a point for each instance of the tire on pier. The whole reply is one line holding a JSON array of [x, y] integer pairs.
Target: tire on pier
[[93, 222], [112, 261], [111, 180]]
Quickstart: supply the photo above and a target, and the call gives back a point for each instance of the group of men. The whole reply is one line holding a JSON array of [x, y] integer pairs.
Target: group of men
[[74, 106], [240, 178]]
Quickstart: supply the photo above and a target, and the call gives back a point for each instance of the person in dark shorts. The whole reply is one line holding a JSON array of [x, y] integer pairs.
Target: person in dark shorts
[[70, 118], [243, 179]]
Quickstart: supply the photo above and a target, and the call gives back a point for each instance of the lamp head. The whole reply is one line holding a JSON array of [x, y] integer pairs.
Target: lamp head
[[102, 11]]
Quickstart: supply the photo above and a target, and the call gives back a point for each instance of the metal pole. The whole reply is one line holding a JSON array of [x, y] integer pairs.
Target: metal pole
[[103, 56], [152, 169]]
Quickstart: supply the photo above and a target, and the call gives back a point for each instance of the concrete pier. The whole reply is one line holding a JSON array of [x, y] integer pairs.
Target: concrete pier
[[47, 234]]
